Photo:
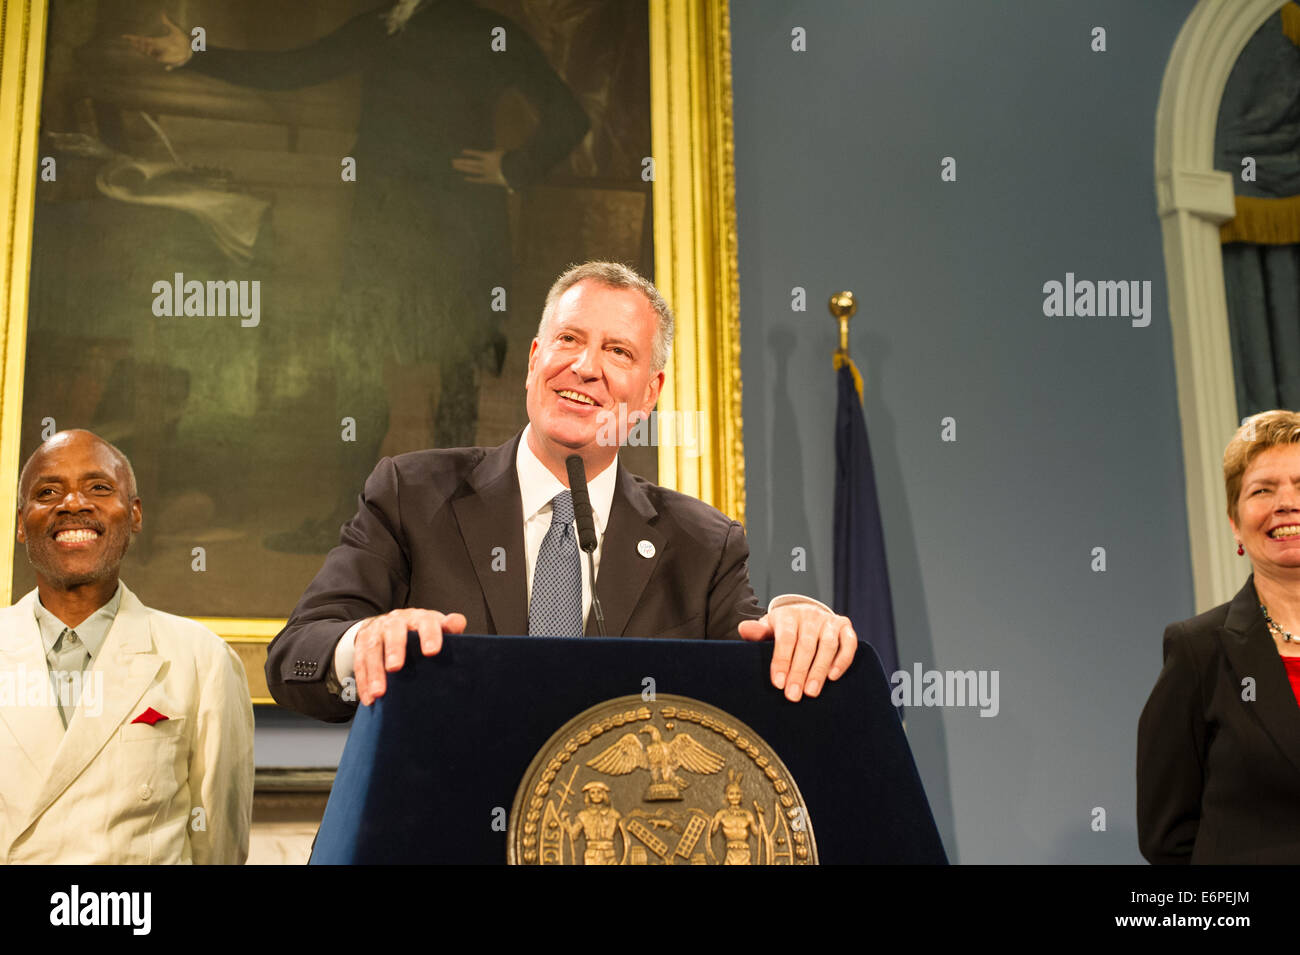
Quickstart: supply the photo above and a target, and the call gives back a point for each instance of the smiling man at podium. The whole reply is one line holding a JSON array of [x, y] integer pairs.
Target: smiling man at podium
[[483, 540]]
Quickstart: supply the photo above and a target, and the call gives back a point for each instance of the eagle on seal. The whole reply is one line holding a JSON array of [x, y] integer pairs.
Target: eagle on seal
[[661, 757]]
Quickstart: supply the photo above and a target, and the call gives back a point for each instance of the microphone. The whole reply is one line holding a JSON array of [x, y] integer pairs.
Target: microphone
[[586, 528]]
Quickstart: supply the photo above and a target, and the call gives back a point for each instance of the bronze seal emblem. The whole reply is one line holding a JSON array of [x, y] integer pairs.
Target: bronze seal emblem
[[669, 782]]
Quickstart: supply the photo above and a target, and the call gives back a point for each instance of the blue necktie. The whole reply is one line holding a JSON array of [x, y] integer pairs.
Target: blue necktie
[[556, 608]]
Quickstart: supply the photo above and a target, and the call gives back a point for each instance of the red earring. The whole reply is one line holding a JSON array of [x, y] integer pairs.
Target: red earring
[[1240, 550]]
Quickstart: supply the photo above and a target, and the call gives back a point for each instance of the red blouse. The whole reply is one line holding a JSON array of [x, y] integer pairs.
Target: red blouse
[[1293, 671]]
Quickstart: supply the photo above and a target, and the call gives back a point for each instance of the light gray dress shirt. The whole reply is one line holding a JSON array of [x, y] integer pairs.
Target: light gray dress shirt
[[70, 651]]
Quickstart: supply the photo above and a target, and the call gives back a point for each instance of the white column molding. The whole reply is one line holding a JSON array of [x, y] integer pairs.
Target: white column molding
[[1204, 194], [1193, 198]]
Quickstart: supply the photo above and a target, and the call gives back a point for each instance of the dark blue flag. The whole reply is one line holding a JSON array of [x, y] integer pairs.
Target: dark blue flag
[[861, 573]]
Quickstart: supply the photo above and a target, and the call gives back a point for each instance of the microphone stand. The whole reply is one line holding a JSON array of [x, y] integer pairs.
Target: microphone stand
[[586, 528]]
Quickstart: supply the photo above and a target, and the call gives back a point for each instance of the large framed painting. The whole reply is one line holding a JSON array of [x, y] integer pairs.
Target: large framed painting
[[260, 245]]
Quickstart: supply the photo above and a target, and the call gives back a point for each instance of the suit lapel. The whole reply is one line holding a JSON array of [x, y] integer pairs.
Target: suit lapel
[[1252, 652], [492, 516], [35, 724], [126, 665], [624, 572]]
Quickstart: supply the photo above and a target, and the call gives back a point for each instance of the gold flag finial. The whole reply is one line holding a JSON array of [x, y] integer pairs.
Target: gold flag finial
[[842, 306]]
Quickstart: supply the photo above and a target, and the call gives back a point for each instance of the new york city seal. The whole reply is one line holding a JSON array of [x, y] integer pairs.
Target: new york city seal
[[673, 781]]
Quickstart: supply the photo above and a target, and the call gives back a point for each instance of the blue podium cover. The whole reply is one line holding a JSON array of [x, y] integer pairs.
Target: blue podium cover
[[435, 762]]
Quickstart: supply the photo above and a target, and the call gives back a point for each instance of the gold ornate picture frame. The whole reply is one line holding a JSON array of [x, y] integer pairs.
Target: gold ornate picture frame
[[694, 234]]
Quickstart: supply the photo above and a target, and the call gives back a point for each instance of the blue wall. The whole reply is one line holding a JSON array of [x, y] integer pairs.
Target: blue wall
[[1067, 428]]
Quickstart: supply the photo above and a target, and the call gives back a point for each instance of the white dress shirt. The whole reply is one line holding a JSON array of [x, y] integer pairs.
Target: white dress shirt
[[537, 486]]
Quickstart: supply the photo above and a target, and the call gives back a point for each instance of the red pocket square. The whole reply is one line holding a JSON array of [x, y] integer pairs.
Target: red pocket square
[[150, 716]]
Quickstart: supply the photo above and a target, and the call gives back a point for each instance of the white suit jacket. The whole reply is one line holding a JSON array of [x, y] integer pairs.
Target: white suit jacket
[[112, 791]]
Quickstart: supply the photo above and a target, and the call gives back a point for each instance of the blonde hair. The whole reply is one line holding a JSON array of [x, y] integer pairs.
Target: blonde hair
[[1257, 434]]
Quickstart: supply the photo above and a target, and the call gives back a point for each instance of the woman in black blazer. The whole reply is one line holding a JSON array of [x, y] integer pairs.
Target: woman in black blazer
[[1218, 761]]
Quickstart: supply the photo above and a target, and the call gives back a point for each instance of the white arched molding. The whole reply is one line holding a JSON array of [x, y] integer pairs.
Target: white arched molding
[[1193, 199]]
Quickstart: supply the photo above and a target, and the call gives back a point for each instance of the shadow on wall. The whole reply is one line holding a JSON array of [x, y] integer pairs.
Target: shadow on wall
[[925, 730], [789, 525], [789, 518]]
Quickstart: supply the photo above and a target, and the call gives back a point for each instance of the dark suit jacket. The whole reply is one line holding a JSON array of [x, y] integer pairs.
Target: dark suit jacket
[[1218, 777], [434, 530]]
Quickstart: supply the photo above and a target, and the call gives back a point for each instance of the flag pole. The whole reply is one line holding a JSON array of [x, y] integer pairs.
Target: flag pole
[[843, 305]]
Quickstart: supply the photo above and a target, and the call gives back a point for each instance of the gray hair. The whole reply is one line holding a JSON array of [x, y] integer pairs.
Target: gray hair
[[132, 489], [618, 276]]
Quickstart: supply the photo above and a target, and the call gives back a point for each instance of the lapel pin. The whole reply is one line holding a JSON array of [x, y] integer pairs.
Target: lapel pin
[[645, 549]]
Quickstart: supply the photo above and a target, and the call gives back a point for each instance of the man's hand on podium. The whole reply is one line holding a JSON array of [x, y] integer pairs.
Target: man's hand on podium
[[381, 645], [811, 645]]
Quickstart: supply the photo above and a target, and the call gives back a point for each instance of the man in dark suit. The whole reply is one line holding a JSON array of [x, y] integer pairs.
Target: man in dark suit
[[485, 535]]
